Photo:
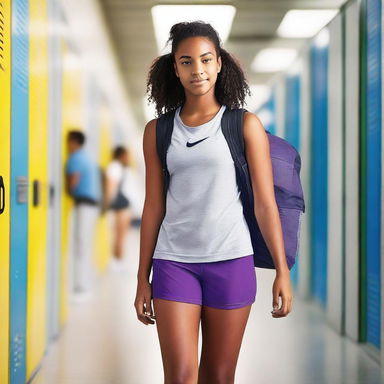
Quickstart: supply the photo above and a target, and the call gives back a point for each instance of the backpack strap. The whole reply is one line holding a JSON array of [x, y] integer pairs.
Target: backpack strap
[[232, 128], [164, 129]]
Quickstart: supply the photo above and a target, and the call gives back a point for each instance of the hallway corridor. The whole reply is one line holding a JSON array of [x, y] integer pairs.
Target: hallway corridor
[[104, 343]]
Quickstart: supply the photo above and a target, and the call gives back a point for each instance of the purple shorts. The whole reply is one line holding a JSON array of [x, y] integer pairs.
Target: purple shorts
[[224, 284]]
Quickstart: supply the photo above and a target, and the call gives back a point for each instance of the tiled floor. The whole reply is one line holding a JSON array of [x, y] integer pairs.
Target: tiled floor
[[104, 343]]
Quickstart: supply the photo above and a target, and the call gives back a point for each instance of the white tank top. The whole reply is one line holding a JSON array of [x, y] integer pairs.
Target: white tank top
[[204, 218]]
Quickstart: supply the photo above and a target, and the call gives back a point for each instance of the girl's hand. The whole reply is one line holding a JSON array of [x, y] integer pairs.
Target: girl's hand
[[143, 304], [282, 287]]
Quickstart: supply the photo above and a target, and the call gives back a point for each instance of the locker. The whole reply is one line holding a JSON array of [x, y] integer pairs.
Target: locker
[[372, 179], [319, 165], [19, 190], [5, 137], [103, 242], [38, 191]]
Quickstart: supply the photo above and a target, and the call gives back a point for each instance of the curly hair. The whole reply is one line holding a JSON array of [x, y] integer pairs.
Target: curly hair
[[164, 87]]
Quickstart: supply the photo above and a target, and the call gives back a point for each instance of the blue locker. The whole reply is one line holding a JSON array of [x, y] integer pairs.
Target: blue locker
[[319, 173], [373, 164], [269, 107], [19, 191]]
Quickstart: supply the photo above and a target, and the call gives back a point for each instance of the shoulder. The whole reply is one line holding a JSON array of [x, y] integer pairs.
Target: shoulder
[[151, 124], [113, 165], [255, 136], [253, 127], [150, 127], [252, 122], [74, 161], [81, 155], [114, 169], [149, 135], [149, 139]]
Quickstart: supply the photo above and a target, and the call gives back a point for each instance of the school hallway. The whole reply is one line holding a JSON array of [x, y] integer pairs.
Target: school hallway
[[76, 96], [104, 343]]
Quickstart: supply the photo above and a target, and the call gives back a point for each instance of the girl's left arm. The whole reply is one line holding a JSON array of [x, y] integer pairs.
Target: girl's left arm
[[266, 211]]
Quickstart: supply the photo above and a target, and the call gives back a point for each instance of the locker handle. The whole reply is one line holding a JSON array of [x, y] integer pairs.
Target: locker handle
[[2, 196], [36, 193]]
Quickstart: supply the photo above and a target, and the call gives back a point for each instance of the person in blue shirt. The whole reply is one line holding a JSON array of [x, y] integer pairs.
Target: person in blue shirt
[[83, 183], [83, 176]]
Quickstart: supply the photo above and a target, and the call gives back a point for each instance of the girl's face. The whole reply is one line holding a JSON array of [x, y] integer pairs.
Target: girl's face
[[196, 65]]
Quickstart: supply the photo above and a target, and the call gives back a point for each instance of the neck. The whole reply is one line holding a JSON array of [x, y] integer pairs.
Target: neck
[[201, 105]]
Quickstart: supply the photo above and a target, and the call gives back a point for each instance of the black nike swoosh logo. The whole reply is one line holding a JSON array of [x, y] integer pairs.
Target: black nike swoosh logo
[[196, 142]]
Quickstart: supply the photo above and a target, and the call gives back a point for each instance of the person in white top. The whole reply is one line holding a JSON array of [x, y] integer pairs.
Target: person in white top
[[202, 271], [116, 198]]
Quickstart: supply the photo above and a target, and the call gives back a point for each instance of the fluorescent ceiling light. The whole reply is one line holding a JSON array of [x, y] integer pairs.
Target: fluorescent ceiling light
[[164, 16], [305, 23], [273, 59], [260, 94]]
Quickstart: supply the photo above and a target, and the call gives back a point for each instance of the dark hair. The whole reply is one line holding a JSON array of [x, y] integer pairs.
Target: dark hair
[[164, 87], [119, 151], [77, 136]]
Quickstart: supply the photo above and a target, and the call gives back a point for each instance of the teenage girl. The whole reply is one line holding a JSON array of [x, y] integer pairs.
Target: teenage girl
[[197, 238]]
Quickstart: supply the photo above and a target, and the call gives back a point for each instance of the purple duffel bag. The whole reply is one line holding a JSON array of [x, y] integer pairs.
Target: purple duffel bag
[[286, 165]]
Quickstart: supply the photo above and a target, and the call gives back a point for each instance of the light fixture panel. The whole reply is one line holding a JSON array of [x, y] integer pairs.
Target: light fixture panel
[[305, 23], [164, 16]]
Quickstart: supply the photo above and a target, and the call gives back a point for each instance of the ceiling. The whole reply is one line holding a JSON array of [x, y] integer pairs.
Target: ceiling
[[254, 27]]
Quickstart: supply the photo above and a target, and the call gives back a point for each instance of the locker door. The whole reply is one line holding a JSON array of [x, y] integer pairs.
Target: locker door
[[5, 137], [38, 191], [103, 238], [352, 172], [372, 176], [271, 108], [319, 165], [267, 112], [19, 189], [54, 172]]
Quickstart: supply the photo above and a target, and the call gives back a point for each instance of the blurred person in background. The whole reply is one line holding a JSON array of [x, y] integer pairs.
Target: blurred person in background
[[117, 185], [83, 185]]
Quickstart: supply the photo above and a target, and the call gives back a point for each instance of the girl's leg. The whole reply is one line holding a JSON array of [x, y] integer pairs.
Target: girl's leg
[[121, 223], [178, 331], [222, 334]]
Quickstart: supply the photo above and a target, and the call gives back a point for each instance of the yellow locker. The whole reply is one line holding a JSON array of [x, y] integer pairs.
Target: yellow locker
[[38, 181], [72, 114], [5, 141], [103, 237]]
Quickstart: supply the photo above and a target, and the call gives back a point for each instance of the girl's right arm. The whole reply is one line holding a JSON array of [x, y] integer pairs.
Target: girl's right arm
[[154, 204]]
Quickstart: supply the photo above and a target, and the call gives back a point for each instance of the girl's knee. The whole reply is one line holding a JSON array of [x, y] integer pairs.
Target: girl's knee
[[216, 376], [181, 376]]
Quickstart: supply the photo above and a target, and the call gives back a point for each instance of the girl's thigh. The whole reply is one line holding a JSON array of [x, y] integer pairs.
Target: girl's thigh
[[178, 331], [222, 334]]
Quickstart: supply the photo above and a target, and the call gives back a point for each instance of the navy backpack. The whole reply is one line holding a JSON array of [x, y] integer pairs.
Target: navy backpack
[[286, 164]]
